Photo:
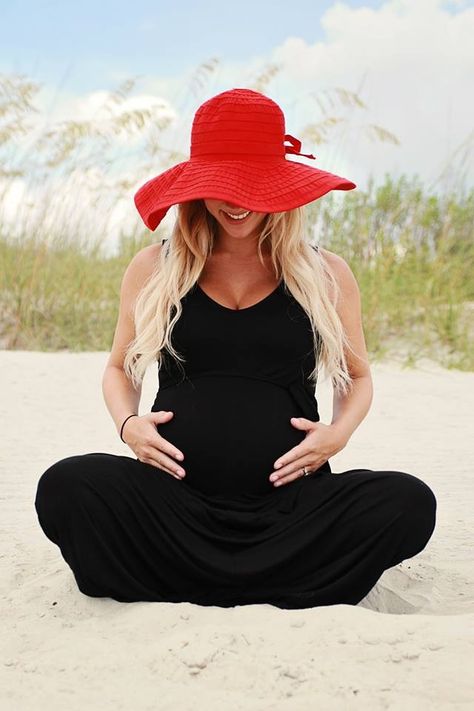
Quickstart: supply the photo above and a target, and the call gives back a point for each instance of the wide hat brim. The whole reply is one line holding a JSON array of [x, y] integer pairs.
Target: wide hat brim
[[268, 186]]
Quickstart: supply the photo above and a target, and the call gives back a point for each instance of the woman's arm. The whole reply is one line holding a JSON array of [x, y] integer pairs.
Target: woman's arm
[[119, 395], [121, 398], [350, 410]]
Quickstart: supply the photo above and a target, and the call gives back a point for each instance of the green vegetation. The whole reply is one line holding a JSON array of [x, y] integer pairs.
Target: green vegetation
[[413, 256]]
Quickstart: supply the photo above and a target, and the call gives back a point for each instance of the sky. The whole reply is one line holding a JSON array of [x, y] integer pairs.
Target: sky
[[410, 61], [95, 40]]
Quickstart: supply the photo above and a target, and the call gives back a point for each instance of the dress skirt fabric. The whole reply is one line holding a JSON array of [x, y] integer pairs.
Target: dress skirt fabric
[[133, 532]]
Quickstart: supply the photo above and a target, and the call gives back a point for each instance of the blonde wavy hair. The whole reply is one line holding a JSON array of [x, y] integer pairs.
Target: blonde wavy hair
[[304, 270]]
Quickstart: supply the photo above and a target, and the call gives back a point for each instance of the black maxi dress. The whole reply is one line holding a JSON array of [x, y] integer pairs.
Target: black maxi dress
[[225, 535]]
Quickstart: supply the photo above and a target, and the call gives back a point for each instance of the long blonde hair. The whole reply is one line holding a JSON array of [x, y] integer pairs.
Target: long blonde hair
[[182, 259]]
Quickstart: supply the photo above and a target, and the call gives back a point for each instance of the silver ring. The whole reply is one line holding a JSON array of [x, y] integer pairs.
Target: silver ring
[[305, 473]]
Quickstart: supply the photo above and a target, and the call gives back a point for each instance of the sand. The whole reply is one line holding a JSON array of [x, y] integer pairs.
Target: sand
[[408, 645]]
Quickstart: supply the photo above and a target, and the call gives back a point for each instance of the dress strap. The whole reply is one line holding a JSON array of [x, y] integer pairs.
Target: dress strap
[[162, 244]]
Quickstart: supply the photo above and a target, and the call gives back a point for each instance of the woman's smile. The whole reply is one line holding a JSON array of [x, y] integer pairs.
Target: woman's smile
[[237, 219]]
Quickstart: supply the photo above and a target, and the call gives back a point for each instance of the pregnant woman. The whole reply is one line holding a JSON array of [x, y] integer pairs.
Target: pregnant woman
[[230, 498]]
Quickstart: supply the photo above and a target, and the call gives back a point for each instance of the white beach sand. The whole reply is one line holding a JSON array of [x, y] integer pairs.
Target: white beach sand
[[408, 645]]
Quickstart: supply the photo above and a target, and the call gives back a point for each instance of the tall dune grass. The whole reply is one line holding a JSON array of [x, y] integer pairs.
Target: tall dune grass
[[412, 252]]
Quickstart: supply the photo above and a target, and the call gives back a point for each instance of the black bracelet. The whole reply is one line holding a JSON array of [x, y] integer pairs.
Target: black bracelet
[[121, 429]]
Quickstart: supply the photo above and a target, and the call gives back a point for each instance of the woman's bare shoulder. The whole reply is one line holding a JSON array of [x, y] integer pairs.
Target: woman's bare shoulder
[[345, 279], [339, 267], [332, 258], [147, 255], [142, 264]]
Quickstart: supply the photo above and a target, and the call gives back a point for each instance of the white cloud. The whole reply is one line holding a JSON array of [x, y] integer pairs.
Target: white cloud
[[415, 61]]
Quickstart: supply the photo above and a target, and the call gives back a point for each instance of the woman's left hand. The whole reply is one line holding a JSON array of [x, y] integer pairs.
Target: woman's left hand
[[321, 442]]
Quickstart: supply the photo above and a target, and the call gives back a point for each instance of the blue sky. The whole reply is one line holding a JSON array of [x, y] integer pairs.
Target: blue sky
[[81, 42]]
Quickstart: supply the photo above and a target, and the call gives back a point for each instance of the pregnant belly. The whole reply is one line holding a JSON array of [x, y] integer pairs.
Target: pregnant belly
[[230, 429]]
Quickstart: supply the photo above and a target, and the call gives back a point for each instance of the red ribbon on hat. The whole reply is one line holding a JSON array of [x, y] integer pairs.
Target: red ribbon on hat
[[295, 147]]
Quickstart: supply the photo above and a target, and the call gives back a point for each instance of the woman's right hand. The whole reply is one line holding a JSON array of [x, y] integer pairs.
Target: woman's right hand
[[143, 438]]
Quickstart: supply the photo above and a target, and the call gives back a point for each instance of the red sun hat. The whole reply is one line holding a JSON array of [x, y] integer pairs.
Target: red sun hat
[[238, 154]]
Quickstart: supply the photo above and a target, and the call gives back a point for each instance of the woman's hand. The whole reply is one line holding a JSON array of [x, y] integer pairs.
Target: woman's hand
[[321, 442], [141, 435]]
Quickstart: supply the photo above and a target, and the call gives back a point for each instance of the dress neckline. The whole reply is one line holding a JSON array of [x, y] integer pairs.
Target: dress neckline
[[246, 308]]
